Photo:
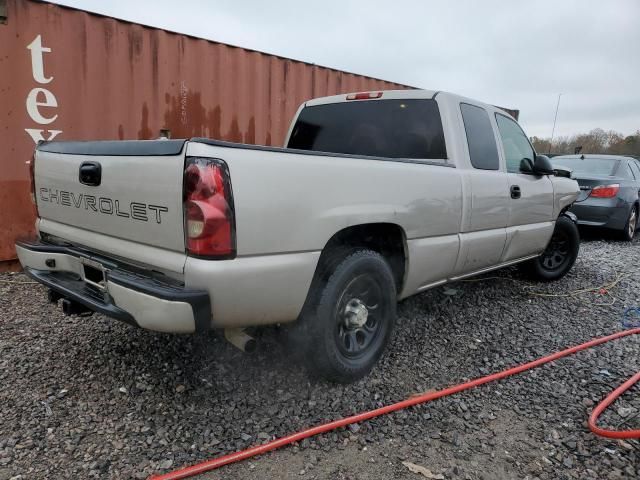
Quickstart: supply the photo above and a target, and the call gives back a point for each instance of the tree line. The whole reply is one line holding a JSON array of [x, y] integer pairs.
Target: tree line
[[596, 141]]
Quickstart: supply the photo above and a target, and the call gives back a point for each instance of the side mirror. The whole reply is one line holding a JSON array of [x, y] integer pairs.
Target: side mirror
[[561, 171], [526, 166], [542, 165]]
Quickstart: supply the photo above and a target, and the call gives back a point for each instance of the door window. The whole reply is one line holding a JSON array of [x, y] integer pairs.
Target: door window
[[480, 138], [514, 142]]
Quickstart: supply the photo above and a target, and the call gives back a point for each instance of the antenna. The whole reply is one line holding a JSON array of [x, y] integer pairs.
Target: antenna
[[554, 122]]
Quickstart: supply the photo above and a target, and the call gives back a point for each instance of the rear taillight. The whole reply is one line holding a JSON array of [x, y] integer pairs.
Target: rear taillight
[[605, 191], [208, 209], [364, 95], [32, 179]]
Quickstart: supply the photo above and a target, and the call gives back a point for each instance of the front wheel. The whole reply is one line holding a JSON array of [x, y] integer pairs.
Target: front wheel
[[351, 318], [560, 254]]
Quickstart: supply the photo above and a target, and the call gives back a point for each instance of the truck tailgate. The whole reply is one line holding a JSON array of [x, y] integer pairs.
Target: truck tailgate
[[130, 190]]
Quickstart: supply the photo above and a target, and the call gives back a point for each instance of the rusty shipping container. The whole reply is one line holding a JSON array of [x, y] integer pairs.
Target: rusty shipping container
[[69, 74]]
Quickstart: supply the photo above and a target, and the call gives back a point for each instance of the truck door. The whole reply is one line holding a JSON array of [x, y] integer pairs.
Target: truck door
[[483, 232], [531, 219]]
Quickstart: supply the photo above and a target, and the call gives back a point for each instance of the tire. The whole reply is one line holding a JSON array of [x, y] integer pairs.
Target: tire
[[349, 318], [560, 254], [631, 225]]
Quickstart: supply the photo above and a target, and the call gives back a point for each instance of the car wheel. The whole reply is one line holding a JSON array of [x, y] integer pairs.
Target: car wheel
[[632, 223], [560, 254], [351, 316]]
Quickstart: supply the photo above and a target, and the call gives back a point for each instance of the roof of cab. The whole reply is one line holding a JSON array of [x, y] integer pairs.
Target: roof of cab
[[386, 95], [411, 94]]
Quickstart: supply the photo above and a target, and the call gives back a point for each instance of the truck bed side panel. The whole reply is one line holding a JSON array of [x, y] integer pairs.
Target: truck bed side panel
[[289, 205], [288, 202]]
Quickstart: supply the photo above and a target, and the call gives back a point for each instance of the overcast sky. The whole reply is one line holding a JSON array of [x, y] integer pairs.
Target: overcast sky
[[518, 54]]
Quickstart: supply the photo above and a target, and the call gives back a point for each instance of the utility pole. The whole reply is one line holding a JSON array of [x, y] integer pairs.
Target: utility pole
[[553, 131]]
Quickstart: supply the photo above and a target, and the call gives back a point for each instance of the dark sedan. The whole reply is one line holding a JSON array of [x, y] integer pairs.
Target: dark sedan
[[609, 187]]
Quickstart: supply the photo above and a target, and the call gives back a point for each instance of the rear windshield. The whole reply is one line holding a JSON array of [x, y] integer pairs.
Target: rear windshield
[[593, 165], [380, 128]]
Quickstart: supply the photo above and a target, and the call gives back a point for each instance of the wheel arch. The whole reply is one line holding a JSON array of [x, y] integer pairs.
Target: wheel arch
[[387, 239], [570, 215]]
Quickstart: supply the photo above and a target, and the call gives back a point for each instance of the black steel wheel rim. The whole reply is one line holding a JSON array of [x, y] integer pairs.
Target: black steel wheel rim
[[354, 337], [557, 252]]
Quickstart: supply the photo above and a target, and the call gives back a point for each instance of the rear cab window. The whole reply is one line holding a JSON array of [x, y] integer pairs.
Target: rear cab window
[[403, 129]]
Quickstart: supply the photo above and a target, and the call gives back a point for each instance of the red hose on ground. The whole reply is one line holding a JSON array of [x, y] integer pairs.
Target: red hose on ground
[[602, 406], [423, 398]]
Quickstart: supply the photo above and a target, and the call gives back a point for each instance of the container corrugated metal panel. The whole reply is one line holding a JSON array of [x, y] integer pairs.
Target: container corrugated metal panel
[[77, 75]]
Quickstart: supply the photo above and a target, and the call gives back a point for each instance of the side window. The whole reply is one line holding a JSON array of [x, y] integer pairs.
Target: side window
[[630, 172], [480, 138], [515, 143], [635, 169]]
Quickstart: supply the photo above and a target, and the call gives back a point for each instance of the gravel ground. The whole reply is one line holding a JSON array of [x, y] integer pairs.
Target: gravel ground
[[93, 398]]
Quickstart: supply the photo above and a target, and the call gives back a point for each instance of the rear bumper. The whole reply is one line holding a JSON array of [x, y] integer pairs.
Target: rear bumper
[[605, 213], [128, 294]]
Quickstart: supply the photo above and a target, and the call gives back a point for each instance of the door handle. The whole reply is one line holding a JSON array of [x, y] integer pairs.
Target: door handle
[[90, 173], [515, 191]]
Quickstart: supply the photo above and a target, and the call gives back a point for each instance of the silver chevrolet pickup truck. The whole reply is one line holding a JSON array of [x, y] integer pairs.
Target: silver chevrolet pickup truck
[[377, 196]]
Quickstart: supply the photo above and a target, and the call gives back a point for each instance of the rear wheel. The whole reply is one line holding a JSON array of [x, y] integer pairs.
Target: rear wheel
[[560, 254], [632, 223], [350, 317]]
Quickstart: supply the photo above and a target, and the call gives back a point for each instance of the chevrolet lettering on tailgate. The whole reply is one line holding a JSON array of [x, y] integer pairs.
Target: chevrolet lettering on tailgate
[[108, 206]]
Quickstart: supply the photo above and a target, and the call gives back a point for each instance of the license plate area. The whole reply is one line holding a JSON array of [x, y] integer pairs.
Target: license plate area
[[93, 273]]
